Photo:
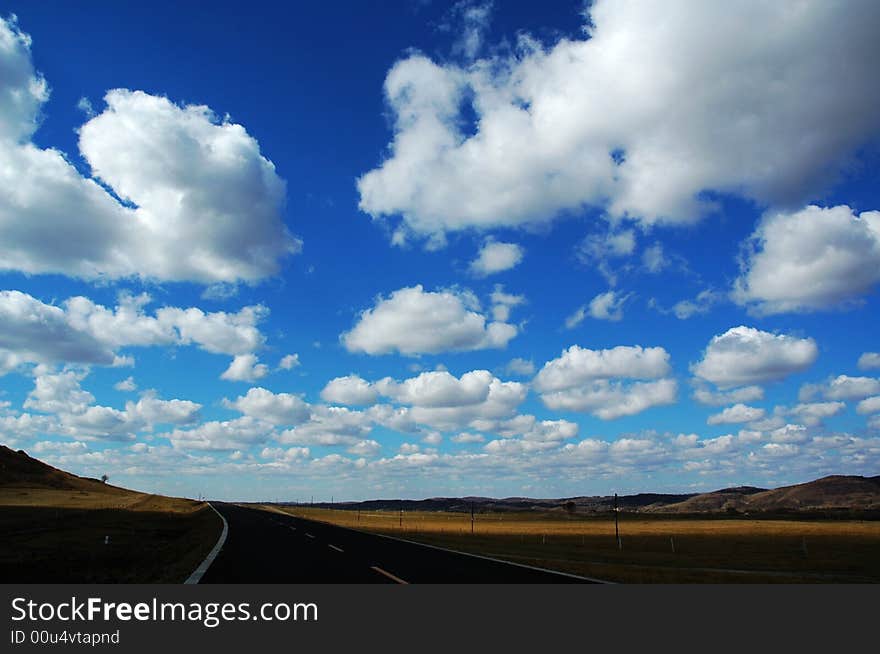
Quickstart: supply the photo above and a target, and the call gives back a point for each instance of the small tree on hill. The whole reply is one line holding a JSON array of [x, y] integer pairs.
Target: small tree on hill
[[105, 479]]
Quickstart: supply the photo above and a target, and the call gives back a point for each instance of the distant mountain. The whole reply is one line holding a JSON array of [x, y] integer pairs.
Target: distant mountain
[[829, 494], [832, 493]]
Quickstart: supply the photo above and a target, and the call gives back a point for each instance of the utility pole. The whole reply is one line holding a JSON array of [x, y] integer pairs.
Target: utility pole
[[616, 530], [401, 518], [472, 518]]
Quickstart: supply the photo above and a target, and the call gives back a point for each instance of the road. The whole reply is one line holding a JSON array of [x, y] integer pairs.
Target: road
[[268, 547]]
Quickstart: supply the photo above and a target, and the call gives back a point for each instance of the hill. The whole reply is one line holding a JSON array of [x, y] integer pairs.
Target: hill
[[833, 493], [58, 527]]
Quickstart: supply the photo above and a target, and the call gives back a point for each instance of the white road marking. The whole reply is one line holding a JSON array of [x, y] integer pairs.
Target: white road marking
[[199, 572], [333, 547], [309, 535], [388, 574]]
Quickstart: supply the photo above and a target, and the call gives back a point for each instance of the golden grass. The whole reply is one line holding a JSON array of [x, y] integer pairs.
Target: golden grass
[[705, 550], [110, 497], [98, 533]]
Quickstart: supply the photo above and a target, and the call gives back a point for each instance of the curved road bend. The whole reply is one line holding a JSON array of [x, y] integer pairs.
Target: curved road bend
[[266, 547]]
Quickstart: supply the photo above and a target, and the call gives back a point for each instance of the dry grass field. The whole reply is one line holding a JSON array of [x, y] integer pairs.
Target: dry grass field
[[57, 527], [652, 549]]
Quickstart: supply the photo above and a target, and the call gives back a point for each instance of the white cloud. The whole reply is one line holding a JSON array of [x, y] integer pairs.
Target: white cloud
[[366, 447], [289, 362], [653, 258], [842, 387], [351, 390], [201, 202], [599, 249], [413, 321], [608, 306], [735, 414], [287, 455], [495, 257], [34, 332], [153, 410], [58, 392], [519, 366], [330, 426], [73, 413], [276, 408], [869, 405], [813, 413], [576, 318], [605, 306], [503, 303], [811, 259], [128, 325], [475, 18], [127, 385], [439, 389], [594, 381], [228, 435], [701, 304], [745, 355], [466, 437], [869, 361], [245, 367], [82, 332], [579, 365], [613, 399], [718, 99], [736, 395]]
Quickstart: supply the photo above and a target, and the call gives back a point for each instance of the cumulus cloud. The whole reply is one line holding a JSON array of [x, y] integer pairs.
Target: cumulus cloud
[[72, 412], [605, 306], [126, 385], [34, 332], [701, 304], [578, 365], [869, 405], [201, 203], [519, 366], [600, 249], [245, 367], [736, 395], [83, 332], [811, 259], [276, 408], [869, 361], [495, 257], [466, 437], [745, 355], [226, 435], [717, 100], [842, 387], [289, 362], [813, 413], [330, 426], [734, 414], [413, 321], [600, 381], [351, 390]]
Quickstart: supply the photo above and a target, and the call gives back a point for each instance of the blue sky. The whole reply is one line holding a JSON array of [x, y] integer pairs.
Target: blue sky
[[440, 248]]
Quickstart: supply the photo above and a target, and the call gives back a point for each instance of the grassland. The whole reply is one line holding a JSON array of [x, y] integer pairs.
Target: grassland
[[652, 549], [96, 533]]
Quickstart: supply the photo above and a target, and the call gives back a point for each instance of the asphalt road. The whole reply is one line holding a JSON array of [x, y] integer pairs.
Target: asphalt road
[[266, 547]]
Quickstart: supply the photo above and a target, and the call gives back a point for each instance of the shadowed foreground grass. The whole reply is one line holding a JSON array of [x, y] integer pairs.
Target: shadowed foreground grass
[[653, 549], [58, 536]]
